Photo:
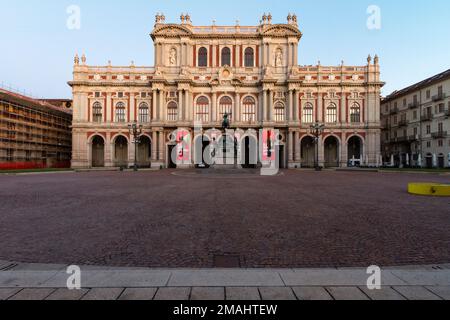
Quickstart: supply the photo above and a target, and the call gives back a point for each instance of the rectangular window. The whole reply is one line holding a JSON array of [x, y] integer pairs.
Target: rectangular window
[[440, 143], [120, 94], [440, 127], [440, 90], [428, 94], [143, 95], [428, 129], [415, 115], [428, 144], [97, 94]]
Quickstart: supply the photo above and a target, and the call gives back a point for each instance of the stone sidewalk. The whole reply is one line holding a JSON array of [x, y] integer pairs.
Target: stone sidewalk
[[22, 281]]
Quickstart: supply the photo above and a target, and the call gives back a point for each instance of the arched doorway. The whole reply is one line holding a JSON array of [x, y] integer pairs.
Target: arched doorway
[[226, 150], [354, 153], [249, 152], [98, 152], [331, 151], [144, 152], [121, 152], [307, 152]]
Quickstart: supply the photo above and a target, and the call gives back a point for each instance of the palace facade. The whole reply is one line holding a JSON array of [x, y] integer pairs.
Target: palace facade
[[201, 73]]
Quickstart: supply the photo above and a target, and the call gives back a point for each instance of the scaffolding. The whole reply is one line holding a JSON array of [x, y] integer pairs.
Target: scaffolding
[[33, 134]]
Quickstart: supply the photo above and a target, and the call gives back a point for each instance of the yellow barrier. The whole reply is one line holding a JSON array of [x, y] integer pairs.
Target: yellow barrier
[[429, 189]]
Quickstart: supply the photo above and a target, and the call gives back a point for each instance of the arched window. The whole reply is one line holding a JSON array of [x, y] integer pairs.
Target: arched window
[[249, 109], [331, 115], [249, 57], [172, 111], [202, 109], [144, 112], [202, 57], [226, 106], [97, 111], [279, 112], [308, 113], [120, 112], [355, 113], [226, 57]]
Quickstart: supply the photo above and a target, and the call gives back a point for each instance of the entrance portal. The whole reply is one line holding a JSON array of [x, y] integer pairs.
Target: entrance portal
[[121, 152], [98, 152], [307, 152], [249, 152], [331, 152]]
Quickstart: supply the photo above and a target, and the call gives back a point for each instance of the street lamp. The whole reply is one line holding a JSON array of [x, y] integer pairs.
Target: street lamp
[[136, 132], [316, 130]]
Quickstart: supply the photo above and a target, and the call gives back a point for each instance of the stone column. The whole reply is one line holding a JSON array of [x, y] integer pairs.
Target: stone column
[[271, 93], [321, 117], [297, 147], [213, 111], [291, 106], [154, 146], [108, 151], [297, 106], [188, 106], [133, 115], [237, 108], [108, 110], [161, 105], [154, 104], [291, 146], [180, 105], [161, 145], [265, 107]]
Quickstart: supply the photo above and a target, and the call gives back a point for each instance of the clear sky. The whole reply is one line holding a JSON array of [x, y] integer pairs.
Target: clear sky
[[37, 48]]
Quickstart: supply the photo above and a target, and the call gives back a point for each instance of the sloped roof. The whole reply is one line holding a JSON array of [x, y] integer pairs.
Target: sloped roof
[[19, 99]]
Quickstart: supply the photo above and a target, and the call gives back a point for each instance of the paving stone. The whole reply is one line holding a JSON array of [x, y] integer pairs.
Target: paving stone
[[416, 293], [384, 194], [277, 293], [103, 294], [66, 294], [32, 294], [205, 293], [347, 293], [116, 278], [242, 293], [334, 277], [173, 293], [6, 293], [138, 294], [385, 293], [441, 291], [424, 277], [312, 293], [225, 278]]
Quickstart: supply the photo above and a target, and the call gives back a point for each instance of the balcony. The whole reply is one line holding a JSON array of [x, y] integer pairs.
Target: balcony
[[413, 138], [403, 123], [439, 135], [413, 105], [447, 113], [427, 117], [439, 97], [394, 111]]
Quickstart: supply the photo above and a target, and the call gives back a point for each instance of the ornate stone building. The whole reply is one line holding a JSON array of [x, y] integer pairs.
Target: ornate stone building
[[201, 73]]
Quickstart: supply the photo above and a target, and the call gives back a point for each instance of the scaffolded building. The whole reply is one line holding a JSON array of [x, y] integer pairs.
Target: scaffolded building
[[33, 133]]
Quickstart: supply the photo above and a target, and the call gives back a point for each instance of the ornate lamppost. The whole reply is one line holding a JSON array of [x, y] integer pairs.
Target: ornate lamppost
[[136, 132], [316, 130]]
